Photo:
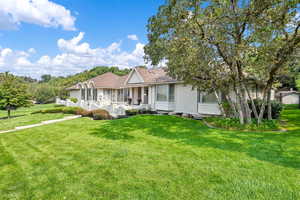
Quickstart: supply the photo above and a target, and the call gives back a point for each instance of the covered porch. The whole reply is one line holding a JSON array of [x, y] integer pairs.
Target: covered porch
[[129, 95]]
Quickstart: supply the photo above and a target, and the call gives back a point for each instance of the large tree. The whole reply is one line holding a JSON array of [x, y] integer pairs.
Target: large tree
[[219, 45], [13, 93]]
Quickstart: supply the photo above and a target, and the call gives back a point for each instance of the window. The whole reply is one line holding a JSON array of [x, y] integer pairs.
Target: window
[[89, 94], [126, 94], [171, 93], [95, 94], [114, 95], [207, 98], [107, 94], [162, 93], [199, 99], [165, 93], [82, 94], [120, 95]]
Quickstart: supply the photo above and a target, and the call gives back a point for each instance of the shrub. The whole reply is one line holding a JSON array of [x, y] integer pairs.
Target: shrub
[[275, 105], [227, 109], [58, 105], [71, 110], [61, 109], [84, 113], [44, 93], [132, 112], [74, 100], [53, 110], [101, 114]]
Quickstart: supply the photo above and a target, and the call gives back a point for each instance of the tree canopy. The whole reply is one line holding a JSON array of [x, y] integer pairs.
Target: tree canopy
[[13, 93], [219, 45]]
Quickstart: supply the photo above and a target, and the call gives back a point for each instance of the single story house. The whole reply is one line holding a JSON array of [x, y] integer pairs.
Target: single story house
[[288, 97], [142, 88]]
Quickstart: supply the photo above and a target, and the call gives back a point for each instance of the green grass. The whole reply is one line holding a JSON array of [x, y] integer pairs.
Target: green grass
[[27, 110], [7, 124], [234, 124], [150, 157], [23, 117]]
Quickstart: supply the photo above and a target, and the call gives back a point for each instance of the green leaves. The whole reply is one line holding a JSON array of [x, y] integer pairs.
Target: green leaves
[[13, 92], [223, 44]]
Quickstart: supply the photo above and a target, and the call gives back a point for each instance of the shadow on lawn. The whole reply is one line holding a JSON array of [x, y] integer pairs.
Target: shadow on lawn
[[11, 117], [267, 146]]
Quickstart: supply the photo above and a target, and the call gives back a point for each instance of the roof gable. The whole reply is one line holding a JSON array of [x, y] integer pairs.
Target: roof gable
[[134, 77]]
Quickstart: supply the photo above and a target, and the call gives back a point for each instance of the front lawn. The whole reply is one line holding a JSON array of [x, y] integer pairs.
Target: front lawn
[[23, 117], [150, 157], [26, 110]]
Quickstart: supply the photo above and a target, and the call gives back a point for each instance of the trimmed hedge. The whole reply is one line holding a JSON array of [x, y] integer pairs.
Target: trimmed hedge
[[98, 114], [66, 110]]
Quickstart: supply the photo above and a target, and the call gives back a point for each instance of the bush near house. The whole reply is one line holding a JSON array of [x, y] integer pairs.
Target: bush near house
[[101, 114], [74, 100], [98, 114], [132, 112], [275, 105], [84, 113]]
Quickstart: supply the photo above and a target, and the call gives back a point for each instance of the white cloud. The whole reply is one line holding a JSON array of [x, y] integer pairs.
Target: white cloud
[[133, 37], [40, 12], [75, 57], [32, 50]]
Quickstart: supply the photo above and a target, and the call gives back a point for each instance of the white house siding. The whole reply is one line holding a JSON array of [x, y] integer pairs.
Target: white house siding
[[209, 109], [185, 99], [75, 94], [291, 99], [164, 105]]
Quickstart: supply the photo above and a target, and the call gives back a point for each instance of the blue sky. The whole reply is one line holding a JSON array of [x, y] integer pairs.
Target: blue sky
[[64, 37]]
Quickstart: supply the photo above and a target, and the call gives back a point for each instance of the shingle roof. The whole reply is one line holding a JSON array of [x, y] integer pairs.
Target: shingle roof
[[107, 80], [157, 75], [110, 80]]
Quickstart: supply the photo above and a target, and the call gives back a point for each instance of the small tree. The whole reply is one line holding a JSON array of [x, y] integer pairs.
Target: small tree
[[13, 93]]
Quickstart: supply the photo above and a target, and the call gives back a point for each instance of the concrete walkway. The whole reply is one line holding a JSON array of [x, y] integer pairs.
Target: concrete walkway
[[41, 124]]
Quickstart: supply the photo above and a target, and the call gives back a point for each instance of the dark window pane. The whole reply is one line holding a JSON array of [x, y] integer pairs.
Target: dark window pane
[[171, 93]]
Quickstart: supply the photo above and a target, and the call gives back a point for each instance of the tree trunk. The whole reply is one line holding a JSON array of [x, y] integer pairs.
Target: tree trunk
[[240, 108], [8, 113], [220, 103], [232, 105], [244, 105], [269, 106], [252, 103], [263, 106]]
